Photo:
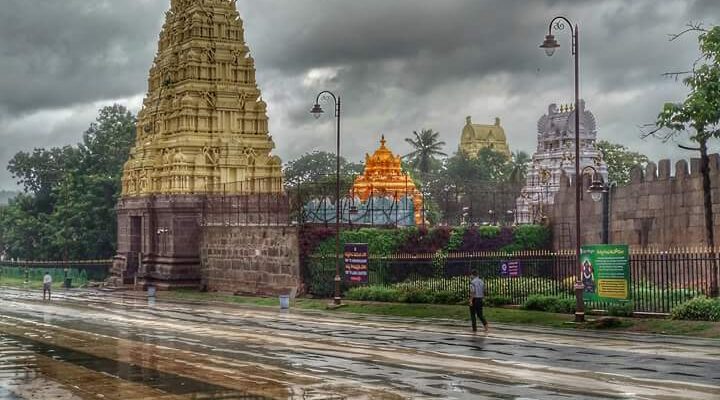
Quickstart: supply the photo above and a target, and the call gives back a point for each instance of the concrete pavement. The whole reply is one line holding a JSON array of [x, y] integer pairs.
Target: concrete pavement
[[88, 344]]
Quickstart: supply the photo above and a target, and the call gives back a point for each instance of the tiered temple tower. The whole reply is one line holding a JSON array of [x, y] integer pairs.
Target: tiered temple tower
[[202, 131], [554, 156]]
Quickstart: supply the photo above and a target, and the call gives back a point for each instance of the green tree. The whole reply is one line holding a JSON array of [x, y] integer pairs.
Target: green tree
[[620, 161], [427, 148], [519, 167], [106, 144], [319, 167], [71, 194], [41, 171], [697, 118]]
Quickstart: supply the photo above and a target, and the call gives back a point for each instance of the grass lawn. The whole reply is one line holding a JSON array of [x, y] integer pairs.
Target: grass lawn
[[20, 283], [460, 313]]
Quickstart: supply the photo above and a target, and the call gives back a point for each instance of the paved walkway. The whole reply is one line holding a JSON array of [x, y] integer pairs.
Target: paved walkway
[[87, 344]]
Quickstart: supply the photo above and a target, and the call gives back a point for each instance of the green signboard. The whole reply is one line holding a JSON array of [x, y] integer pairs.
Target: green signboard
[[605, 272]]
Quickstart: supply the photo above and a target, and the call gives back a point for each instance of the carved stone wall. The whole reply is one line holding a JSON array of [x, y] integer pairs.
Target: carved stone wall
[[250, 259], [657, 209]]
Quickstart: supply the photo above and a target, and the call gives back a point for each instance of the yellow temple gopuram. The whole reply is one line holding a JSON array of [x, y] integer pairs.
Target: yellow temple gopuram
[[476, 137], [203, 126], [383, 176]]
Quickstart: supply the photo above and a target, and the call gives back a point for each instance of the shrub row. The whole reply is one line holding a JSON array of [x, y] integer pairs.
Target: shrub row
[[553, 304], [411, 294], [698, 309]]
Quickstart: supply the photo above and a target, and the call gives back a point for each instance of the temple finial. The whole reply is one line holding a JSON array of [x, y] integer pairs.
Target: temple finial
[[383, 141]]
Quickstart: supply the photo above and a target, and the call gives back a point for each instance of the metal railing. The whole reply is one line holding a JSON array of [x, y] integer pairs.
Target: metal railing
[[660, 280]]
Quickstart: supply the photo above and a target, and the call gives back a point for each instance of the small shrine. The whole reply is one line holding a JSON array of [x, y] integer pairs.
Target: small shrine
[[476, 137], [383, 195], [383, 175]]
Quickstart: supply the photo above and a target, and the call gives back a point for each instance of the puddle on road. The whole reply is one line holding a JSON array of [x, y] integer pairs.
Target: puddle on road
[[17, 369]]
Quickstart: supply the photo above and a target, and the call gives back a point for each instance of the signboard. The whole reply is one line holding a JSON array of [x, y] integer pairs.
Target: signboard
[[356, 262], [510, 268], [605, 272]]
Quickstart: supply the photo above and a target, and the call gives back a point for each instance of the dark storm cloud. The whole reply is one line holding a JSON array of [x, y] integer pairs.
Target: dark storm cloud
[[59, 53], [400, 65]]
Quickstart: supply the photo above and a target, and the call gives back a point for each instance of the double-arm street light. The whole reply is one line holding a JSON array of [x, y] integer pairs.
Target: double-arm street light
[[317, 111]]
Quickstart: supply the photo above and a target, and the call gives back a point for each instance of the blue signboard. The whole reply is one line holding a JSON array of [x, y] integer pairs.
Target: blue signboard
[[510, 268], [356, 263]]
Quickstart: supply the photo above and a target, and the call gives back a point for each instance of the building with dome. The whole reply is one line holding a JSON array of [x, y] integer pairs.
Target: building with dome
[[384, 177], [476, 137], [383, 195], [555, 156]]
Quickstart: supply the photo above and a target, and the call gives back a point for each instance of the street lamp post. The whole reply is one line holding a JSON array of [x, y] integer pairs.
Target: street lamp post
[[550, 44], [317, 111]]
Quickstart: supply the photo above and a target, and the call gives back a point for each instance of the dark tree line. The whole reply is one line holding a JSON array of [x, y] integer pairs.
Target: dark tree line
[[67, 207]]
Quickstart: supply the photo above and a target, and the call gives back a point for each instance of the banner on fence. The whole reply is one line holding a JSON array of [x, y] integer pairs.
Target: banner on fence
[[356, 262], [510, 268], [605, 272]]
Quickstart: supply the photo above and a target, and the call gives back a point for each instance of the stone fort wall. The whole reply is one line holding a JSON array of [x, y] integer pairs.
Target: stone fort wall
[[262, 259], [656, 209]]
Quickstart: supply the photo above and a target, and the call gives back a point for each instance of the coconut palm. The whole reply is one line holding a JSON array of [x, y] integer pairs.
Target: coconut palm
[[426, 147], [519, 166]]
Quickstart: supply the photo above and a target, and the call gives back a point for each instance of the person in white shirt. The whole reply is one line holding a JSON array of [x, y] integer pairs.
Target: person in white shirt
[[477, 295], [47, 285]]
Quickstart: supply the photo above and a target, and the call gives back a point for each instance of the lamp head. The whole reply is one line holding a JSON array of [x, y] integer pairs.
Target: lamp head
[[550, 44], [597, 189], [317, 111]]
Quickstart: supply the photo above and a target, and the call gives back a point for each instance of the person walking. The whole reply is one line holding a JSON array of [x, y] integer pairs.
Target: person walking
[[47, 285], [477, 295]]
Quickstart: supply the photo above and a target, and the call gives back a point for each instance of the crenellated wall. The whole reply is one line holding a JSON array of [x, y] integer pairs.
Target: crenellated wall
[[656, 209]]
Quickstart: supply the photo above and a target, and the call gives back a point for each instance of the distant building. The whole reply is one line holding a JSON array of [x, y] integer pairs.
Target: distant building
[[555, 154], [476, 137]]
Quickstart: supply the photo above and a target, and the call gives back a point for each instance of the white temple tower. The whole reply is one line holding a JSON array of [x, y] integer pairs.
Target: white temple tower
[[555, 154]]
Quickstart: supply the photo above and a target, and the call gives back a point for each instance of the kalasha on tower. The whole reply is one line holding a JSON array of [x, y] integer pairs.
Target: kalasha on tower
[[202, 130]]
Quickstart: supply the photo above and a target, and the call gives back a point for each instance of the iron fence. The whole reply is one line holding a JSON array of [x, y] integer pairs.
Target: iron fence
[[248, 202], [660, 280]]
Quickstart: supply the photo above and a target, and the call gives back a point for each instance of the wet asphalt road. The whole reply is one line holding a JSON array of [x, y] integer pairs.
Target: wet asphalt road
[[89, 344]]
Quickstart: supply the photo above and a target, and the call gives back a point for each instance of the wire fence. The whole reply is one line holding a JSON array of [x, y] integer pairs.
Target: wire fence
[[660, 280]]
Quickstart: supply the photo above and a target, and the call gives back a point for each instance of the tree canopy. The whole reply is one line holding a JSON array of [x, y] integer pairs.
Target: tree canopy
[[620, 161], [318, 167], [67, 209], [697, 118]]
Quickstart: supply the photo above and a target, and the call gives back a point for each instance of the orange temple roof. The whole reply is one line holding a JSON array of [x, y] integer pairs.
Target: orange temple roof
[[383, 176]]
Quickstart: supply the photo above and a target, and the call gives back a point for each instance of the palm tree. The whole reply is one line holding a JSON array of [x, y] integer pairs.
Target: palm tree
[[519, 166], [427, 147]]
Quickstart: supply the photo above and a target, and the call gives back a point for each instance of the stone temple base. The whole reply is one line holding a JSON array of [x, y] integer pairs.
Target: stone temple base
[[158, 241], [245, 242]]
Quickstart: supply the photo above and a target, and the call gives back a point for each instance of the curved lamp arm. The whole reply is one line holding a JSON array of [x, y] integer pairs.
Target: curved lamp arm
[[317, 110], [558, 24]]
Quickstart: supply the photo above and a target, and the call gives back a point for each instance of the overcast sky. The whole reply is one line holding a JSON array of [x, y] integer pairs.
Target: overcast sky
[[399, 65]]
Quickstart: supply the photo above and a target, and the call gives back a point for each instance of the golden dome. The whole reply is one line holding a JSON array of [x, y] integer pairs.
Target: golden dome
[[383, 176]]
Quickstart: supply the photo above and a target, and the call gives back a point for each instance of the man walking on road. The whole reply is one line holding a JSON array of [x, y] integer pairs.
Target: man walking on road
[[477, 294], [47, 285]]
